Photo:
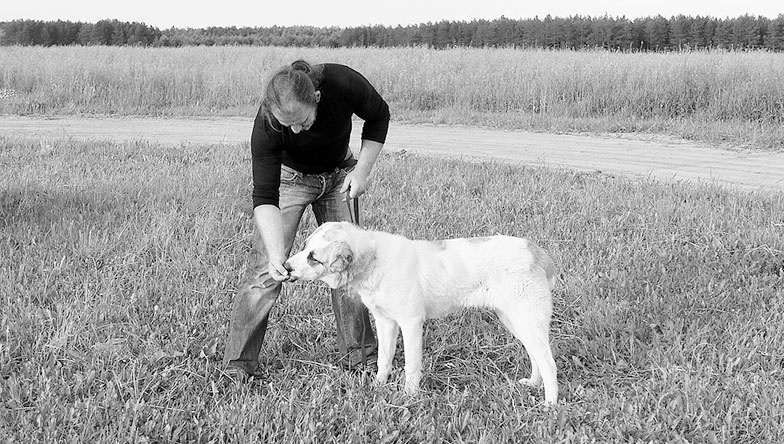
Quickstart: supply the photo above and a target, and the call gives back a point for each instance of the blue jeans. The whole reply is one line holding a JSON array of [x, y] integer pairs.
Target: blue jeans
[[253, 302]]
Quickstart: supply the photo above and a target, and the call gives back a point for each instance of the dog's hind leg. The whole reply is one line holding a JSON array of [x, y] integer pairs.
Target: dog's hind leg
[[537, 344], [536, 377], [387, 331], [412, 348], [534, 335]]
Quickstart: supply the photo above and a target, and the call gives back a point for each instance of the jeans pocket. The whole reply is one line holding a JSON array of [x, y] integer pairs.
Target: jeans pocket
[[289, 175]]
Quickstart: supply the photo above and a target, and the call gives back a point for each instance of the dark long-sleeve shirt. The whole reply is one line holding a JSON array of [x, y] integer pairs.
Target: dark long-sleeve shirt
[[324, 147]]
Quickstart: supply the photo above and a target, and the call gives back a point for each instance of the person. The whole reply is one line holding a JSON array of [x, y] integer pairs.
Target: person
[[300, 158]]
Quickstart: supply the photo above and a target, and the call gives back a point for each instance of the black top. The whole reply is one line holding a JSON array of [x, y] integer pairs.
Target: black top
[[322, 148]]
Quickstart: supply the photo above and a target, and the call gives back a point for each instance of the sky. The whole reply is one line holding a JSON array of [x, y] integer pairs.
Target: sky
[[165, 14]]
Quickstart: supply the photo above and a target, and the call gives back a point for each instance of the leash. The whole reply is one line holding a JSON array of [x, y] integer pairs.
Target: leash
[[353, 211]]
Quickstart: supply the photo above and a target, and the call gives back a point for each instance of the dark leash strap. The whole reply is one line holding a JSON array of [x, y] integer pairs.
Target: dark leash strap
[[353, 211]]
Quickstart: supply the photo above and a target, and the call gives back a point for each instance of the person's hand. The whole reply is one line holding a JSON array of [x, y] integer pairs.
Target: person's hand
[[356, 183], [277, 270]]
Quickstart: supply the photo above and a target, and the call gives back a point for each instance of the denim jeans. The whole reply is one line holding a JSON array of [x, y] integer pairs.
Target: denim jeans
[[253, 303]]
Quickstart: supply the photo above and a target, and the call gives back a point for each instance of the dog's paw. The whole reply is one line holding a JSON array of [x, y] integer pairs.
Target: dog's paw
[[529, 382], [380, 379], [411, 389]]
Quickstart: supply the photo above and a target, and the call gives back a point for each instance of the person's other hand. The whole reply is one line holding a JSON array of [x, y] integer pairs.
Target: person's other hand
[[356, 183]]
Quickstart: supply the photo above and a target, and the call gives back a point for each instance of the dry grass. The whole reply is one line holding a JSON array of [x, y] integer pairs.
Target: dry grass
[[118, 264], [718, 97]]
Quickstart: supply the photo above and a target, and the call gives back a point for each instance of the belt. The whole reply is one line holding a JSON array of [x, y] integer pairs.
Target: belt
[[349, 162]]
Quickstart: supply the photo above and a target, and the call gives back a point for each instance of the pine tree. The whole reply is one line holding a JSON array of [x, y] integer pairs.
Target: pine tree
[[774, 40]]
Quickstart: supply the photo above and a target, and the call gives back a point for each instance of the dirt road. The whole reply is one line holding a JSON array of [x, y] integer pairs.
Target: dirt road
[[660, 158]]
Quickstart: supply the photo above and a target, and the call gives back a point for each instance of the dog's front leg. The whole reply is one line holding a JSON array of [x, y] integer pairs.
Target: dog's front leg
[[412, 348], [386, 330]]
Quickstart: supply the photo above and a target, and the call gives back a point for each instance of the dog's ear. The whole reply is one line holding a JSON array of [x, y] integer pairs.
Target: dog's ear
[[341, 258]]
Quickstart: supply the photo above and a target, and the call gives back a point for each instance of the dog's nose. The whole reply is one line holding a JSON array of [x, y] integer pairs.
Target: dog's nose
[[288, 266]]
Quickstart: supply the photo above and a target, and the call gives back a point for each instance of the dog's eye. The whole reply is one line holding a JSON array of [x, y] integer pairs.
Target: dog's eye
[[313, 260]]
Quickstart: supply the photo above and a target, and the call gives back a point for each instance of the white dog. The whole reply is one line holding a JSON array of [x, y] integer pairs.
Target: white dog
[[404, 282]]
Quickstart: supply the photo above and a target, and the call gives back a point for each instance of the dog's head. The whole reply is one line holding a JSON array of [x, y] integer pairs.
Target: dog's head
[[328, 256]]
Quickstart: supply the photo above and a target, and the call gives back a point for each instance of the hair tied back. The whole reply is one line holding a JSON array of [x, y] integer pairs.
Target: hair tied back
[[301, 65]]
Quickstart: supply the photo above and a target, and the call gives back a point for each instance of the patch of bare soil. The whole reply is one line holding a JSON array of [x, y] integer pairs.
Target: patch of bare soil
[[654, 157]]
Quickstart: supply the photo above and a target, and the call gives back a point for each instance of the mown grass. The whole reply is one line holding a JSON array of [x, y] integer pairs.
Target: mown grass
[[734, 98], [119, 262]]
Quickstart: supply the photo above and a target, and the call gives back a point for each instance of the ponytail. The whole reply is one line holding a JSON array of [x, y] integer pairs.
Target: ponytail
[[301, 65]]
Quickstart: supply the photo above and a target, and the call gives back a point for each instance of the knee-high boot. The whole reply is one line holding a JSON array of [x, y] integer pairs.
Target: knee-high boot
[[355, 337]]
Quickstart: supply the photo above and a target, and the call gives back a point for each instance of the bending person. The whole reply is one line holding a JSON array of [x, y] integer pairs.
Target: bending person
[[300, 158]]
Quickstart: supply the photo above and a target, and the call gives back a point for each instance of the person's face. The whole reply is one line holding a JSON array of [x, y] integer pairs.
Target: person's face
[[299, 116]]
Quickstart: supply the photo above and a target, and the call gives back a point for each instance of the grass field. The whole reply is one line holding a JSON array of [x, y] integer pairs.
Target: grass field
[[734, 98], [119, 263]]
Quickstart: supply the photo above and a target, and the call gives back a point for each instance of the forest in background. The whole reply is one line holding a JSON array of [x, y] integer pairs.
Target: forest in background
[[576, 32]]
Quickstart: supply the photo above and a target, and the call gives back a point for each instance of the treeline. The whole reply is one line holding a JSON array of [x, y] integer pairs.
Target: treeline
[[576, 32], [63, 33]]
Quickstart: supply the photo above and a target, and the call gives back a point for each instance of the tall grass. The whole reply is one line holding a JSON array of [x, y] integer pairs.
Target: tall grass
[[118, 264], [739, 95]]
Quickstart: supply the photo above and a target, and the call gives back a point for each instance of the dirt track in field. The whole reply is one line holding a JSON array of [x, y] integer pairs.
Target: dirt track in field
[[660, 158]]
